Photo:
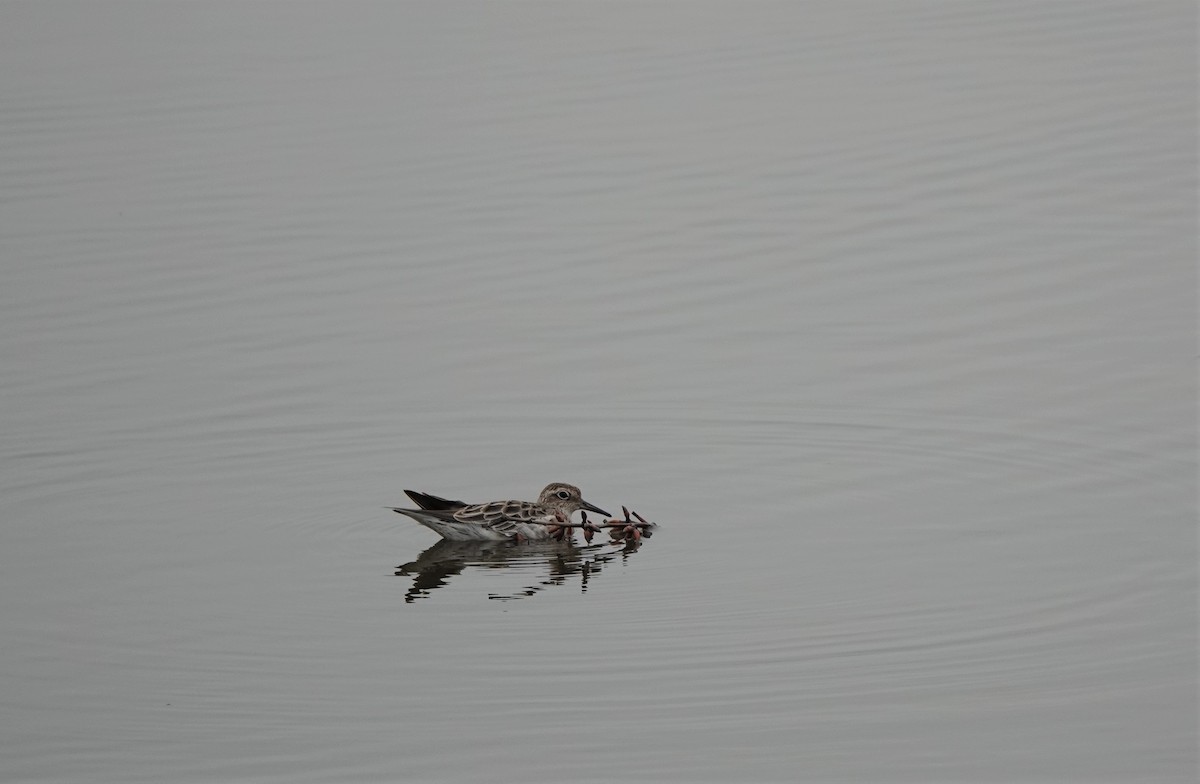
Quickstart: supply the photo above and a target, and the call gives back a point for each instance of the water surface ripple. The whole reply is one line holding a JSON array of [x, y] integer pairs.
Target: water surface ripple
[[884, 311]]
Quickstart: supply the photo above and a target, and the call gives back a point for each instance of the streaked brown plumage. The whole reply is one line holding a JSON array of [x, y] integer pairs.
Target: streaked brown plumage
[[498, 519]]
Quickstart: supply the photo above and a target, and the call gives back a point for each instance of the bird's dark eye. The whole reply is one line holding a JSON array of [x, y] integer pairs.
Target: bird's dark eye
[[563, 494]]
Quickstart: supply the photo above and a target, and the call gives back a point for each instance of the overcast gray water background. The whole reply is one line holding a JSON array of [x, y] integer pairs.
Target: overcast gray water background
[[885, 311]]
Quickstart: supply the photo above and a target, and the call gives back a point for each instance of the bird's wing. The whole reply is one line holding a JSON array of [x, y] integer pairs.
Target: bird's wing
[[503, 515]]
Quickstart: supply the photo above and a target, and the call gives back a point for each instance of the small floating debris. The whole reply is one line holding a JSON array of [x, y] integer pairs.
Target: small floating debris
[[630, 530]]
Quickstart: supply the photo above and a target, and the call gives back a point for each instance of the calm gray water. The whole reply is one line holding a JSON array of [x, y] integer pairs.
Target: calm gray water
[[885, 311]]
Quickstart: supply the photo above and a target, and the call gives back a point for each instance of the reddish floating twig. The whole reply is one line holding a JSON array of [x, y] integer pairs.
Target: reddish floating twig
[[632, 528]]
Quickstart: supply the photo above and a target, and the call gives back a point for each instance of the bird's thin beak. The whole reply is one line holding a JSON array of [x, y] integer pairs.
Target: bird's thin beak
[[593, 508]]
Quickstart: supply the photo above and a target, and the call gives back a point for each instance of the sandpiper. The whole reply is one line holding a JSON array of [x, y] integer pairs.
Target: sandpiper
[[499, 519]]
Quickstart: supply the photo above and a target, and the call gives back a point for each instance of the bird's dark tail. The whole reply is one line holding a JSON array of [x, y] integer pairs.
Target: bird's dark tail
[[436, 503]]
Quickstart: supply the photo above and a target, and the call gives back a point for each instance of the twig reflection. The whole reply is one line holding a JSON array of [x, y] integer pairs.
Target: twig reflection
[[555, 562]]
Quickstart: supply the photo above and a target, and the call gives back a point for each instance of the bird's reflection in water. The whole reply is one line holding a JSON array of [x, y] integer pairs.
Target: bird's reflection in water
[[555, 563]]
